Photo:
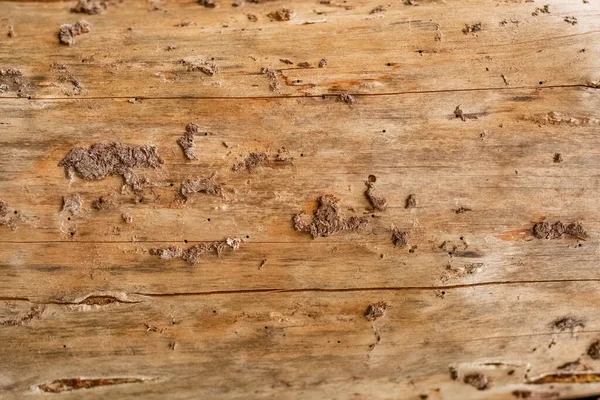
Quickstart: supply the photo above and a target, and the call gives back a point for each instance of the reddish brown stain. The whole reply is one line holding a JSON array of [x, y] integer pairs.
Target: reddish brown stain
[[515, 236], [348, 84], [567, 378], [67, 385]]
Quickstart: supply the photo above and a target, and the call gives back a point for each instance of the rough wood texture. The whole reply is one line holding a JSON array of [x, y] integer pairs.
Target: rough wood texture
[[492, 131]]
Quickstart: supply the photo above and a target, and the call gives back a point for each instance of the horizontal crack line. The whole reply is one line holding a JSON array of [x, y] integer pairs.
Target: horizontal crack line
[[309, 290], [86, 301], [553, 333], [296, 96], [290, 243], [364, 289], [374, 237]]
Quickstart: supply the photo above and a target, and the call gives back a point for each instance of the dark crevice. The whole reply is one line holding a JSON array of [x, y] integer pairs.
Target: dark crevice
[[363, 289], [70, 384], [332, 95], [579, 378]]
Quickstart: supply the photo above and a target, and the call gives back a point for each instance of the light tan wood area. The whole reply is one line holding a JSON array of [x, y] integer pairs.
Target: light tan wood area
[[123, 284]]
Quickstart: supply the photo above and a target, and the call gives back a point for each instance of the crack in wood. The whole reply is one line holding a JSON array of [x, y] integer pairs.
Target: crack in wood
[[303, 96], [70, 384], [363, 289], [103, 300], [579, 378]]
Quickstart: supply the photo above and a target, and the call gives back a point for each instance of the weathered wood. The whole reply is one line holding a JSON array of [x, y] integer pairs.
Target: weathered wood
[[126, 53], [88, 309], [305, 344], [507, 178]]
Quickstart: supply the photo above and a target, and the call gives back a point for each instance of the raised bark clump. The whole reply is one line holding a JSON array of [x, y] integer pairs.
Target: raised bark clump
[[67, 32], [378, 203], [327, 219], [200, 185], [187, 142], [90, 7], [376, 311], [110, 158], [72, 203], [194, 254], [557, 230]]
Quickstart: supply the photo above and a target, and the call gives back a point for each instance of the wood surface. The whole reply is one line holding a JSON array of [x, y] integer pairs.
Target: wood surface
[[88, 310]]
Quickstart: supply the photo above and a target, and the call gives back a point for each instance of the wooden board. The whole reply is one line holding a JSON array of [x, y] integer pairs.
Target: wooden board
[[88, 309]]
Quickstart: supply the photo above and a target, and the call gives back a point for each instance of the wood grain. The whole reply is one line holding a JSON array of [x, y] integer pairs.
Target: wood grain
[[126, 53], [305, 344], [87, 310]]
